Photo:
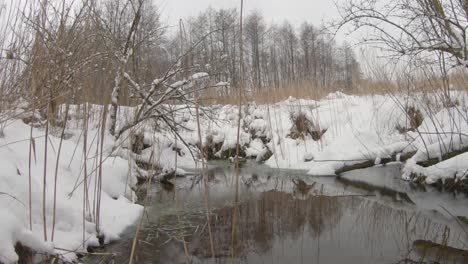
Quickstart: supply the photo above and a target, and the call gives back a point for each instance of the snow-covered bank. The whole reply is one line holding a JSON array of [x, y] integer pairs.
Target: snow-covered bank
[[320, 137], [117, 210], [446, 132], [337, 131]]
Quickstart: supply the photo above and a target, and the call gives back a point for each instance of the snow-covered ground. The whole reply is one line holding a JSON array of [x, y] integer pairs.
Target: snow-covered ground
[[339, 130], [117, 208], [356, 128]]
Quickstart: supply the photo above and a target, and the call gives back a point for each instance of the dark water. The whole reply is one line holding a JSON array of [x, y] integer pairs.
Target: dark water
[[367, 216]]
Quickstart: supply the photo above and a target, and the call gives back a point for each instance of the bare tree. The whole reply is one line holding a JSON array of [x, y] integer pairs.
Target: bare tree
[[412, 27], [254, 32], [308, 40], [351, 70], [123, 56]]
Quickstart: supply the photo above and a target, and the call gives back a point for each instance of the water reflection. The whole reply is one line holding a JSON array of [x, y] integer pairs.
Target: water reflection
[[274, 215], [277, 228], [290, 219]]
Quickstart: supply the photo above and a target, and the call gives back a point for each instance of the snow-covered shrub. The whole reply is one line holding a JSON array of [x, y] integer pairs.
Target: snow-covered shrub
[[258, 128], [211, 147], [226, 153], [336, 95], [258, 150]]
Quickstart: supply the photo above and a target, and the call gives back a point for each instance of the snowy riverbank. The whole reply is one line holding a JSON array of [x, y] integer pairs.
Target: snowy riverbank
[[117, 210], [338, 131], [321, 137]]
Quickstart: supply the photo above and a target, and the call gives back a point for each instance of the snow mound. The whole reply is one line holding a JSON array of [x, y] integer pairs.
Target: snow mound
[[117, 211], [336, 95]]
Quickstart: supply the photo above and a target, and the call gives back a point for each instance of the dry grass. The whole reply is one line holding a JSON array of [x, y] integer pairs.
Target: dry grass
[[298, 89], [377, 85]]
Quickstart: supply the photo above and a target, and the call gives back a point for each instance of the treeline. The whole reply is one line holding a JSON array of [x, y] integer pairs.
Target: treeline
[[70, 51], [274, 55], [80, 51]]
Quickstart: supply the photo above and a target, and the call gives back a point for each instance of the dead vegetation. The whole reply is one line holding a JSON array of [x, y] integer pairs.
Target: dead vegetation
[[414, 120], [138, 143], [229, 153], [25, 254], [211, 148], [72, 60], [454, 185], [303, 127]]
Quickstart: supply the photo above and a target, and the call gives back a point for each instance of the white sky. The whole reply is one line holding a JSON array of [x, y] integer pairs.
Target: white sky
[[274, 11], [296, 11]]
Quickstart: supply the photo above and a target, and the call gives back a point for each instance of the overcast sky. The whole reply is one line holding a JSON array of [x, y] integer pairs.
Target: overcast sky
[[296, 11], [276, 11]]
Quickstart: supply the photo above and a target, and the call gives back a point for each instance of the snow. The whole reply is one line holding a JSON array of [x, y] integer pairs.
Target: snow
[[256, 149], [221, 83], [199, 75], [156, 82], [258, 128], [444, 132], [116, 214], [377, 161], [177, 84], [357, 129], [308, 157], [11, 232], [455, 168], [336, 95]]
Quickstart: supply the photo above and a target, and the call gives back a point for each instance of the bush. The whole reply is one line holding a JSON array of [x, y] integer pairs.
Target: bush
[[415, 119], [302, 127]]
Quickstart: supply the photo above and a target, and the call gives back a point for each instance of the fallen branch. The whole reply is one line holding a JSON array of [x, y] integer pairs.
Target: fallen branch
[[446, 156], [371, 162]]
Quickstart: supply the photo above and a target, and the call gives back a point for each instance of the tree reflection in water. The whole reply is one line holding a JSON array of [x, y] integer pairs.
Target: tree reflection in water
[[277, 227], [283, 219]]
